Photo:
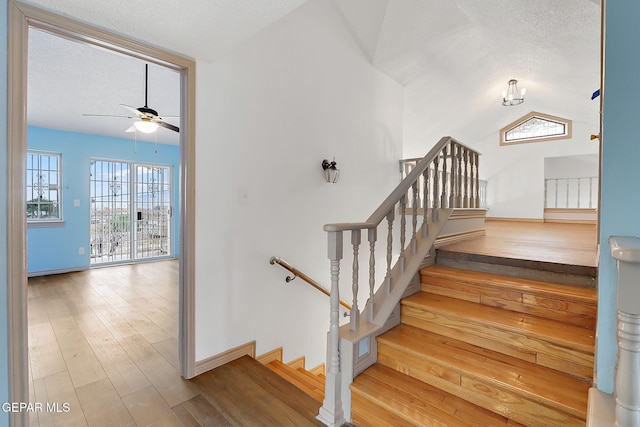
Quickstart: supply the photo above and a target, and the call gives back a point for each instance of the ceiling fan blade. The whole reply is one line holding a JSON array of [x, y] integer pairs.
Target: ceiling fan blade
[[108, 115], [168, 126], [133, 110]]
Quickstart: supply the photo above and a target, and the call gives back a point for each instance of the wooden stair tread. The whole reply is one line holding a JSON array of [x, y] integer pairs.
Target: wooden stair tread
[[537, 383], [313, 379], [548, 289], [418, 402], [299, 379], [572, 336], [245, 392]]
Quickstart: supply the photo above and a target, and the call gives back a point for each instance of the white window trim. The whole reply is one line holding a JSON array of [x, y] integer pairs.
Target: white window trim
[[50, 222], [542, 116]]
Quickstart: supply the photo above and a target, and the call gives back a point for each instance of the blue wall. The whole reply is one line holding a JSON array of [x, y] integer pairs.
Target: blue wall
[[4, 346], [56, 248], [620, 175]]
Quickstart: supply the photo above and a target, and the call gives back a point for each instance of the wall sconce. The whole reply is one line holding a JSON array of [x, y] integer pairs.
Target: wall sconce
[[331, 171]]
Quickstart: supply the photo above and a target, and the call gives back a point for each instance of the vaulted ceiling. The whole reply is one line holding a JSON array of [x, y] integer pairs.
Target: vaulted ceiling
[[454, 58]]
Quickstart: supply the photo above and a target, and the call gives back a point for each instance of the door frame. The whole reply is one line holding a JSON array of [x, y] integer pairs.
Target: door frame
[[20, 18]]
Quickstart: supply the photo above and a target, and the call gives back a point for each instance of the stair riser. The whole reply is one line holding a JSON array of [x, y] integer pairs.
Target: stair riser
[[567, 311], [480, 391], [532, 349]]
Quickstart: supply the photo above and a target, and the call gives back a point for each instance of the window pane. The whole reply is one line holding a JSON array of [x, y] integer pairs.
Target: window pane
[[43, 186]]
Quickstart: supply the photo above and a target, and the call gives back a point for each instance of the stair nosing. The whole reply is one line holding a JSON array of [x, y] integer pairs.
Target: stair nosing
[[580, 295], [581, 346], [477, 374]]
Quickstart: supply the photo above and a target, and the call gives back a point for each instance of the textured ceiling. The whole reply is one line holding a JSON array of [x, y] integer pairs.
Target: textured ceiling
[[454, 58], [67, 79]]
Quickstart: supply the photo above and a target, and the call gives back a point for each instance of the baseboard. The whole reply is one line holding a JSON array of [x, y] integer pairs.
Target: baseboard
[[497, 218], [571, 221], [248, 349], [270, 356], [457, 237], [57, 271], [571, 210]]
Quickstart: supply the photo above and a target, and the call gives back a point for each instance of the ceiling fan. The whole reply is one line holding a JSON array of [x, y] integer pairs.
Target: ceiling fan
[[148, 120]]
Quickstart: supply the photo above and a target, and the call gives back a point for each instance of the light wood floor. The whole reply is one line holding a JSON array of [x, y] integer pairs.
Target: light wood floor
[[104, 341], [574, 244]]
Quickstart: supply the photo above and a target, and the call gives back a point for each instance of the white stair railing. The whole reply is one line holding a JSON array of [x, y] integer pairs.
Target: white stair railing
[[446, 178], [571, 193]]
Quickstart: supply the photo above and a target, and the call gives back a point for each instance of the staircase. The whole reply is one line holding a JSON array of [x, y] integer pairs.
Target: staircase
[[481, 349], [312, 384]]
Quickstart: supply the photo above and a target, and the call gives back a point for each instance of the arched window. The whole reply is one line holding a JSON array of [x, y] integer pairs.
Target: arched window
[[535, 127]]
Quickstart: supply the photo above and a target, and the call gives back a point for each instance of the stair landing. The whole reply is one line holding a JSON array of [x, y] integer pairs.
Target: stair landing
[[560, 253]]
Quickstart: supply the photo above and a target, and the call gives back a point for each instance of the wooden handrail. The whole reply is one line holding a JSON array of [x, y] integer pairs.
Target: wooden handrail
[[298, 273]]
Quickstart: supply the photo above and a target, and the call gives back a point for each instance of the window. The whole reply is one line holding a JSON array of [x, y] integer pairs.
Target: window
[[43, 187], [535, 127]]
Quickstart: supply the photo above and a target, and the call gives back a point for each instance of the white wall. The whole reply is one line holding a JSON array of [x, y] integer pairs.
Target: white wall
[[267, 114], [516, 173], [580, 166]]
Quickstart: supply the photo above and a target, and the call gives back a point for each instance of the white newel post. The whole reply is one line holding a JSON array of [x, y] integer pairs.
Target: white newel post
[[331, 412], [626, 250]]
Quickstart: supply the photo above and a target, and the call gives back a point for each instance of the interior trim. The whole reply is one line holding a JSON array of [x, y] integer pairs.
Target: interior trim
[[21, 16], [248, 349]]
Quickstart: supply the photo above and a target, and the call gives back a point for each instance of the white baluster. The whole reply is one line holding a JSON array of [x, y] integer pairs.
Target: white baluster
[[387, 279], [425, 203], [453, 195], [445, 180], [414, 218], [477, 194], [436, 195], [373, 236], [403, 230], [466, 197], [355, 311]]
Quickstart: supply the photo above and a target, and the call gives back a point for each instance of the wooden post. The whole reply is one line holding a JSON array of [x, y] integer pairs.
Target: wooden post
[[331, 412]]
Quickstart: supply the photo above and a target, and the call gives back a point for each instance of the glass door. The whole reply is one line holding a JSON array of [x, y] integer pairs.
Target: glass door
[[110, 221], [153, 211], [130, 212]]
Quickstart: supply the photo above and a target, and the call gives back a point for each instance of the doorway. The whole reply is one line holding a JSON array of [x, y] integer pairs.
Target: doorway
[[21, 18]]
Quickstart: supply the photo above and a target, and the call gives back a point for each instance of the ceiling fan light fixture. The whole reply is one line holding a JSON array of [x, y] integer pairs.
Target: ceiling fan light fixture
[[146, 126]]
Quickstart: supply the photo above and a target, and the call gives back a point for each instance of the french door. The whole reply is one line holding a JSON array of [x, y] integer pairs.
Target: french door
[[130, 211]]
